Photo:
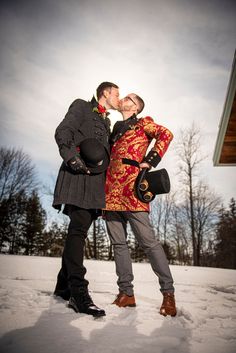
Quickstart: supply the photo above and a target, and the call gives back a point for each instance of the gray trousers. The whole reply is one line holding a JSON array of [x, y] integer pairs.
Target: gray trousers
[[140, 224]]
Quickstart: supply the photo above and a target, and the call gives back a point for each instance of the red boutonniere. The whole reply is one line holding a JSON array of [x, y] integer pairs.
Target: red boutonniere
[[101, 110]]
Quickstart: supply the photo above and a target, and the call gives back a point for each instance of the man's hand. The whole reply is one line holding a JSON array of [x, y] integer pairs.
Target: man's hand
[[77, 165], [145, 165]]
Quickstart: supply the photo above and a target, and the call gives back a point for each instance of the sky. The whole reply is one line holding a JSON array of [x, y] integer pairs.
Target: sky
[[176, 54], [32, 320]]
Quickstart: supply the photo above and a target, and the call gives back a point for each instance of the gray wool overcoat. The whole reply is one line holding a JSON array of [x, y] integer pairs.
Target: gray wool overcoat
[[82, 190]]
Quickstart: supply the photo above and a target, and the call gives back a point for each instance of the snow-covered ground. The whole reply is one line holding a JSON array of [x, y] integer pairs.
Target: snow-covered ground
[[33, 321]]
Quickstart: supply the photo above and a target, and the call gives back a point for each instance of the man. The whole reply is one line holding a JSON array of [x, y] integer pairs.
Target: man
[[130, 139], [80, 189]]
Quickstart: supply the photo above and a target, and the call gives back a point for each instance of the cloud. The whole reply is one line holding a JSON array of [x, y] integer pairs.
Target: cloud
[[176, 55]]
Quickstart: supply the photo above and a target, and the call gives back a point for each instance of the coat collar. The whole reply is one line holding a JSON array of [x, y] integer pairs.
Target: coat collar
[[132, 119], [94, 102], [121, 127]]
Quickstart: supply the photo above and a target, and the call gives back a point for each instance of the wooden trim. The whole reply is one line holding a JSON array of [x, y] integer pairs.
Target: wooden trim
[[225, 148]]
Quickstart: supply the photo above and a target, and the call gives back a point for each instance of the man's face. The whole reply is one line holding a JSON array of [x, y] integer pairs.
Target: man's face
[[129, 103], [113, 98]]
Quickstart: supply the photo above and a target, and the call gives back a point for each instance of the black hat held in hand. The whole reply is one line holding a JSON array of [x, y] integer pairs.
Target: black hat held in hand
[[149, 184], [94, 155]]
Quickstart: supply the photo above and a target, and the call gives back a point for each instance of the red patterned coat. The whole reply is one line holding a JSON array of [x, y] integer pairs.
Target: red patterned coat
[[120, 179]]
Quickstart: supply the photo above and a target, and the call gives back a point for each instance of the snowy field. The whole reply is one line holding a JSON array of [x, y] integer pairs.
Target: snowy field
[[33, 321]]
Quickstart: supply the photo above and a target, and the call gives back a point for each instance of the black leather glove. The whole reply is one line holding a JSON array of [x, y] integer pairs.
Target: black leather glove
[[77, 165]]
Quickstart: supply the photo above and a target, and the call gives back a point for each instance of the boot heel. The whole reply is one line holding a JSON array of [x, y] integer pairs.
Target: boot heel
[[73, 306]]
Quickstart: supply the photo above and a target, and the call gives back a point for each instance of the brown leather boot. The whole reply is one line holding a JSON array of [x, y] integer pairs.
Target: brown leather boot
[[122, 300], [168, 305]]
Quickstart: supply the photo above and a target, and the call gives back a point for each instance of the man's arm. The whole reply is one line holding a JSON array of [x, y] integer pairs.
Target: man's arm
[[163, 137], [67, 129]]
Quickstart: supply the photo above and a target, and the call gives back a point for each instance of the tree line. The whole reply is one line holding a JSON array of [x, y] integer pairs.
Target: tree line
[[191, 223]]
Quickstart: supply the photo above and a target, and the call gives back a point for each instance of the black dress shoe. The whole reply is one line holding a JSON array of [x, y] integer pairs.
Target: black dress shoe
[[63, 293], [84, 304]]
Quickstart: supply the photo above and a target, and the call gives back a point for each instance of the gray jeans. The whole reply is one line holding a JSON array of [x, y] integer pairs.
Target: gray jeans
[[140, 224]]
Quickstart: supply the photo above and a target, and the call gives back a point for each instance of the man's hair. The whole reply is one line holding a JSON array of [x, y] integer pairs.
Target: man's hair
[[103, 86], [141, 103]]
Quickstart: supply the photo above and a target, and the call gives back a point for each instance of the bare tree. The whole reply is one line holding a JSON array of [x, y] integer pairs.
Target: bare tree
[[156, 215], [17, 175], [160, 215], [97, 242], [179, 235], [189, 160], [206, 206], [200, 203], [17, 180]]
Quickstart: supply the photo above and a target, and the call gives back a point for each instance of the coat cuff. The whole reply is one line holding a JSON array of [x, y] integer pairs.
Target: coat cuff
[[152, 158]]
